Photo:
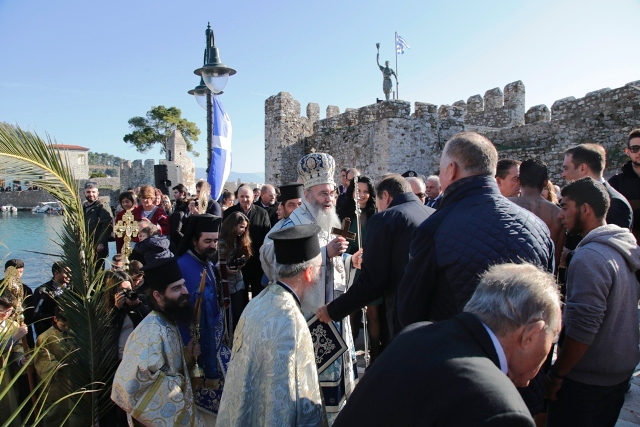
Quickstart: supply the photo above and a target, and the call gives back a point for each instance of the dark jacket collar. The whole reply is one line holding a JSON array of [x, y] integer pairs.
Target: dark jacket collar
[[627, 169], [469, 186], [480, 334], [404, 198]]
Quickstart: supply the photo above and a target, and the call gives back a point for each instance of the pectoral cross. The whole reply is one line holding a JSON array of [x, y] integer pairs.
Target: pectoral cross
[[127, 227], [344, 231]]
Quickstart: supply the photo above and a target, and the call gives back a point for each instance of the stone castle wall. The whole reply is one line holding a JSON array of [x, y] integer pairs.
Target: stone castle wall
[[387, 137]]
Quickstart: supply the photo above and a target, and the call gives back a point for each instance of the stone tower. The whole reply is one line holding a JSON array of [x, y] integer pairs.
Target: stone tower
[[177, 154]]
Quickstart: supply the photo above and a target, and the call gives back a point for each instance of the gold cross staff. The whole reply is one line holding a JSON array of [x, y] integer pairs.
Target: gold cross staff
[[127, 227]]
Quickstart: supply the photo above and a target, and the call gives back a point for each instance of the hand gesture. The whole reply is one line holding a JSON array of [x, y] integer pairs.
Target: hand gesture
[[194, 348], [337, 247], [323, 314], [119, 300], [21, 332], [356, 259]]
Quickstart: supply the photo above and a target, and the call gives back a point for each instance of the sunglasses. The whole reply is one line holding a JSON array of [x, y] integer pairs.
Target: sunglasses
[[634, 148]]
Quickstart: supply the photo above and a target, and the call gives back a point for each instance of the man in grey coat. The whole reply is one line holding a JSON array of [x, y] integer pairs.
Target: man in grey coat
[[599, 352]]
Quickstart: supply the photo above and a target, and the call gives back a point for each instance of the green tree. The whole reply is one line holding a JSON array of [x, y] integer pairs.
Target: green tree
[[156, 128], [98, 175]]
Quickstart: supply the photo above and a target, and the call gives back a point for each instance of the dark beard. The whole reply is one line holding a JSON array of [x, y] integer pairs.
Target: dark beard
[[180, 310], [578, 226], [209, 254]]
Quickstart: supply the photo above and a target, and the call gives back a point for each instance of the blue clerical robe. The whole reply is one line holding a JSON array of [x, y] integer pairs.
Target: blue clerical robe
[[215, 354]]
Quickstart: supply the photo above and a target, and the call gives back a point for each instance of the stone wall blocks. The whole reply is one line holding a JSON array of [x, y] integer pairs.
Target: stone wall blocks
[[493, 98]]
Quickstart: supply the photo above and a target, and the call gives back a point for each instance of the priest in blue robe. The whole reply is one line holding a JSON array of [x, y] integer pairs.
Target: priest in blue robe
[[197, 256]]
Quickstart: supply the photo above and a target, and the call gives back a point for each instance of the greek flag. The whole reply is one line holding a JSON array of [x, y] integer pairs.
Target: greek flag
[[220, 166], [401, 44]]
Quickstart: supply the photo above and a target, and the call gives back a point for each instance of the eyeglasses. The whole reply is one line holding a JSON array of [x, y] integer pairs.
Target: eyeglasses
[[4, 311], [634, 148]]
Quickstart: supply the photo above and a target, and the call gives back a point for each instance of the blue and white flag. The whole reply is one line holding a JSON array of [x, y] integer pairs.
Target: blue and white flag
[[220, 166], [401, 44]]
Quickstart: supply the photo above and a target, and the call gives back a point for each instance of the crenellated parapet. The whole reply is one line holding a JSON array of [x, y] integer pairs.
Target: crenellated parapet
[[387, 136], [497, 109]]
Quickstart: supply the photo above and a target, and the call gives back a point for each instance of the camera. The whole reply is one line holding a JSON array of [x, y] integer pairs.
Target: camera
[[236, 262], [130, 295]]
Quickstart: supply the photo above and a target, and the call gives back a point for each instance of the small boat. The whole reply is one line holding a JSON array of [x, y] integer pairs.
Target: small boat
[[48, 207], [8, 208]]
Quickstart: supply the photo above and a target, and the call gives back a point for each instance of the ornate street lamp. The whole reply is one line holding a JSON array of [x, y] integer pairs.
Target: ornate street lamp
[[213, 79]]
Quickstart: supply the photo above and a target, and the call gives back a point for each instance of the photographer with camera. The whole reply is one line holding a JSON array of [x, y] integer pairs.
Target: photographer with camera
[[125, 311], [235, 246]]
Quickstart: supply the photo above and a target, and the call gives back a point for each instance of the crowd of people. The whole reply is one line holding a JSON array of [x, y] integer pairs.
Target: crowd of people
[[243, 311]]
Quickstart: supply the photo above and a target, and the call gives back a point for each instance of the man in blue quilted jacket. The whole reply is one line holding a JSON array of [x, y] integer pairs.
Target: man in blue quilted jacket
[[474, 228]]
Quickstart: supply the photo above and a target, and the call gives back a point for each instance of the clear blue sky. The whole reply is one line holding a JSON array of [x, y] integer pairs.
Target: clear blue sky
[[79, 70]]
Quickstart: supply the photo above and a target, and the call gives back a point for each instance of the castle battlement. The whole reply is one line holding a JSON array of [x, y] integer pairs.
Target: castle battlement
[[386, 136]]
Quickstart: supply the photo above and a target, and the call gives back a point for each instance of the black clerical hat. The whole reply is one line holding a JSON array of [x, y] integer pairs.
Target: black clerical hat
[[195, 224], [295, 245], [205, 223], [162, 272], [409, 174], [290, 190]]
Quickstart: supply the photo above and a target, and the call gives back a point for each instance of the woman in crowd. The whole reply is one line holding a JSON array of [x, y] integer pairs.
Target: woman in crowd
[[234, 245], [549, 193], [227, 200], [158, 201], [147, 212], [376, 318], [166, 204]]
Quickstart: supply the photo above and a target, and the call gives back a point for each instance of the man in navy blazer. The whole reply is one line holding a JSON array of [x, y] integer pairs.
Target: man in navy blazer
[[385, 253], [463, 371]]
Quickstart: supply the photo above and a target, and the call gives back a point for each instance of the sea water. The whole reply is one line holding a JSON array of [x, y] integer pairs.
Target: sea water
[[34, 239]]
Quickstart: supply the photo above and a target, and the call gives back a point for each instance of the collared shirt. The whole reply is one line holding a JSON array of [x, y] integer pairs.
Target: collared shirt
[[501, 356], [431, 202]]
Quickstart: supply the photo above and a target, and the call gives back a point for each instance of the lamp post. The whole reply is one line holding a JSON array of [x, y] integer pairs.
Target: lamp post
[[213, 79]]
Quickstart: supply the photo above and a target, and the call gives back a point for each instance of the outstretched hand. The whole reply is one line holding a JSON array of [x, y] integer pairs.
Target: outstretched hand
[[323, 314], [356, 259]]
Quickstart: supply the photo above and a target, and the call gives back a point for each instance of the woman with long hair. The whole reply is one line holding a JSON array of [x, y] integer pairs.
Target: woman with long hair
[[234, 245], [367, 204], [376, 318]]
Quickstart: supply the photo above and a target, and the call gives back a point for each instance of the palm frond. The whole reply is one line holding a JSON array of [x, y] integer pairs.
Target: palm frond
[[25, 155]]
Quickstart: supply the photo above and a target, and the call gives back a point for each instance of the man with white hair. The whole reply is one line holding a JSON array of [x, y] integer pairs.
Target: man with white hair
[[272, 378], [434, 195], [318, 207], [478, 357]]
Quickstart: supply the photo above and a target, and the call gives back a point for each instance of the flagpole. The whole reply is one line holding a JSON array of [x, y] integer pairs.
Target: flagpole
[[395, 45]]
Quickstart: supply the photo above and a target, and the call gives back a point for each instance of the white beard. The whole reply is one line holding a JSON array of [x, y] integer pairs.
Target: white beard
[[325, 219]]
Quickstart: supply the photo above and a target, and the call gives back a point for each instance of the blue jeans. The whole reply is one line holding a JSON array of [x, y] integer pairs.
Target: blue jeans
[[586, 405]]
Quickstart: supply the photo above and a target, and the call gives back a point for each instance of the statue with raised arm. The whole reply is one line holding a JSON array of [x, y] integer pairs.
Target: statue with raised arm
[[387, 72]]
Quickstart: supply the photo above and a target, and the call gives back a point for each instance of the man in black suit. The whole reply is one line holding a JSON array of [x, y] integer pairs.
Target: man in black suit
[[463, 371], [267, 201], [259, 226], [385, 252]]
